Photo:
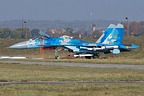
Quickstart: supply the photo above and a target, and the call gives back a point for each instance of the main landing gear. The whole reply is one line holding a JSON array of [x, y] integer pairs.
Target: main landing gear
[[93, 57]]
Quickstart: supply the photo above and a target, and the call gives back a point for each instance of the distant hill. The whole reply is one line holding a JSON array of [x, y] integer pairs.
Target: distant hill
[[47, 24]]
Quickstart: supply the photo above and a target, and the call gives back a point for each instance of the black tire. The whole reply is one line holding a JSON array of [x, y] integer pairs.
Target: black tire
[[88, 57]]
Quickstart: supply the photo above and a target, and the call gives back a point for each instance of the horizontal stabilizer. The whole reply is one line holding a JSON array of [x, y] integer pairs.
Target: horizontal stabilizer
[[129, 46], [134, 46]]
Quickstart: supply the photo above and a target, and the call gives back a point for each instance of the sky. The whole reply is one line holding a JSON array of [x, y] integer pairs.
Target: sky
[[72, 10]]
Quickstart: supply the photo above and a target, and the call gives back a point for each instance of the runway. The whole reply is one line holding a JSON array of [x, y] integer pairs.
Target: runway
[[72, 82], [119, 66]]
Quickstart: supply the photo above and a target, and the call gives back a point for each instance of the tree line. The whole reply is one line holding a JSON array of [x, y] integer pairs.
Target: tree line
[[14, 33], [132, 29]]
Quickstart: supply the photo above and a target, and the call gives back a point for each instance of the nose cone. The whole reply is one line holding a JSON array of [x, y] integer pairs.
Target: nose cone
[[20, 45]]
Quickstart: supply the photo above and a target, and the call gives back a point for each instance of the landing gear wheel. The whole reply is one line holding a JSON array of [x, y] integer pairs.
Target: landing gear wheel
[[88, 57], [56, 53], [96, 55], [57, 57]]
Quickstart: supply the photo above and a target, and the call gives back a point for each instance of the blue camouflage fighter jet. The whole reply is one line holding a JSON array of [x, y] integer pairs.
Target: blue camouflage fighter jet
[[109, 42]]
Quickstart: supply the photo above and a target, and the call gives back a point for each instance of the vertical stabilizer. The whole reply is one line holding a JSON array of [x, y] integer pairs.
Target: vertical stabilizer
[[106, 33], [116, 35]]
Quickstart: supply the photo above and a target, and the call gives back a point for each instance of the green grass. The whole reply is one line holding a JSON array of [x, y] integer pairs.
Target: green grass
[[20, 72], [73, 90], [97, 61]]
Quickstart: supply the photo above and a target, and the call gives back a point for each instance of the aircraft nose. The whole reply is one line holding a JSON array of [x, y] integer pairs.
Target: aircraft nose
[[20, 45]]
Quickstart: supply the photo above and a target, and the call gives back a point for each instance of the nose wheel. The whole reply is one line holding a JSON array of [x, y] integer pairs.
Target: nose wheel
[[56, 53]]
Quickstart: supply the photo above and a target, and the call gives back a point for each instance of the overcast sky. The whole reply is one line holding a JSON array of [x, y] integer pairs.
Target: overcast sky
[[72, 9]]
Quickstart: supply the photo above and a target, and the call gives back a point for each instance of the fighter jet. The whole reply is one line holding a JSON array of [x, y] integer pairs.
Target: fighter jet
[[109, 42]]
